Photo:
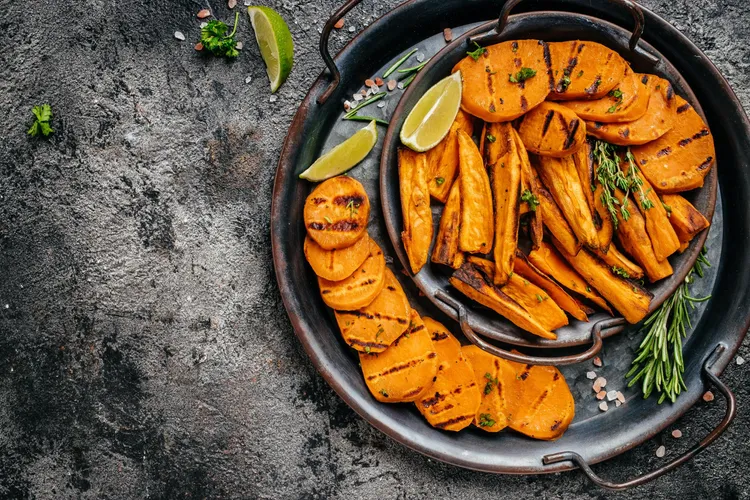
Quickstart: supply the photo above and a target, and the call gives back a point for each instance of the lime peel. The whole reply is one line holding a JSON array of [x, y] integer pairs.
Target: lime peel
[[275, 43], [343, 156]]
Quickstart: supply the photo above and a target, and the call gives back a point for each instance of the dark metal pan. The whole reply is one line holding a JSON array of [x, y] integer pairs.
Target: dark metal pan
[[432, 280]]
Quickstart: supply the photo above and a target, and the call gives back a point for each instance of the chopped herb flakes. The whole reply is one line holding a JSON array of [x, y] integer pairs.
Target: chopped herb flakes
[[439, 181], [490, 138], [531, 199], [618, 271], [485, 420], [383, 392], [491, 382], [477, 53], [522, 75]]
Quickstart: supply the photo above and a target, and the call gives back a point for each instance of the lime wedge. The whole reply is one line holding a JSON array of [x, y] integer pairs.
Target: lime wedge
[[344, 156], [275, 43], [431, 119]]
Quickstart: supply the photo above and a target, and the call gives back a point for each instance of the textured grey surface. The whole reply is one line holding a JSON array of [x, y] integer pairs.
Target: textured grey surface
[[145, 350]]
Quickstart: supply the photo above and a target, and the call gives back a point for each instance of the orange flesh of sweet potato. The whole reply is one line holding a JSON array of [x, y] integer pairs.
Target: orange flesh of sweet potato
[[630, 105], [546, 407], [607, 229], [592, 70], [496, 380], [477, 218], [551, 263], [680, 159], [634, 239], [446, 250], [452, 401], [552, 130], [629, 299], [403, 372], [527, 270], [472, 283], [584, 162], [686, 220], [415, 207], [555, 222], [530, 183], [443, 158], [560, 177], [374, 327], [336, 213], [659, 118], [615, 259], [360, 288], [336, 265], [488, 92]]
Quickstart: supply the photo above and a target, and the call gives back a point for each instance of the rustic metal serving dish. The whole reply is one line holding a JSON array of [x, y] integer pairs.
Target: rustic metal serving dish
[[593, 437]]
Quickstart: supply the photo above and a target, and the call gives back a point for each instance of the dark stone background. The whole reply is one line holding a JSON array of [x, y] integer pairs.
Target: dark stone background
[[144, 347]]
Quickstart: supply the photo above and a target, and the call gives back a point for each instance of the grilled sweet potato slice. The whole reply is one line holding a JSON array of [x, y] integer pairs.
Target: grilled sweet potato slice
[[374, 327], [360, 288], [551, 263], [686, 220], [620, 263], [659, 118], [628, 298], [525, 269], [607, 229], [584, 70], [443, 158], [489, 89], [477, 220], [475, 285], [504, 163], [452, 401], [555, 222], [497, 384], [626, 102], [336, 212], [680, 159], [529, 192], [403, 372], [560, 177], [552, 130], [546, 407], [415, 207], [446, 249], [336, 265]]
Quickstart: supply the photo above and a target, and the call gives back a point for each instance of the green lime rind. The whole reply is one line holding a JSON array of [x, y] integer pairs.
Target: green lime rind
[[275, 43]]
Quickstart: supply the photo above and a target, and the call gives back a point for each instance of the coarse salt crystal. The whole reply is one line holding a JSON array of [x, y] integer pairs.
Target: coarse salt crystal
[[358, 97], [273, 98], [611, 395], [392, 84], [677, 433], [708, 397], [591, 375], [347, 105], [375, 89], [603, 406], [420, 57], [368, 93], [232, 4], [238, 46], [601, 395], [352, 29], [617, 403], [378, 81], [248, 3], [661, 451], [339, 24], [203, 13], [620, 397], [601, 381], [597, 361], [381, 104], [369, 83], [740, 360], [179, 35], [203, 24], [448, 35], [248, 79], [199, 46], [400, 85]]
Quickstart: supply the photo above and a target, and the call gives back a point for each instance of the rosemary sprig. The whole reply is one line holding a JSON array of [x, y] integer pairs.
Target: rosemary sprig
[[414, 68], [659, 364], [362, 118], [398, 63], [366, 102], [610, 176], [636, 182]]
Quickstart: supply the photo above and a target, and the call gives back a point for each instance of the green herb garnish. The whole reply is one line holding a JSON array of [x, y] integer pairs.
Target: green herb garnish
[[477, 53], [618, 271], [398, 63], [42, 116], [491, 382], [383, 392], [531, 199], [522, 75], [485, 420], [215, 41], [439, 181], [610, 176]]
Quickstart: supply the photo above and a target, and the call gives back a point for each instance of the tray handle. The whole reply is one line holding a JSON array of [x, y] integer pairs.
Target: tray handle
[[708, 369], [325, 53], [596, 336]]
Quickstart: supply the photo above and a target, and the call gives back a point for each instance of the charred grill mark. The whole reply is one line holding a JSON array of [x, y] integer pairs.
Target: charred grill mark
[[517, 62], [524, 374], [572, 129], [416, 329], [439, 336], [706, 163], [426, 403], [664, 152], [341, 226], [325, 292], [548, 63], [447, 407], [580, 47], [644, 161], [556, 425], [644, 80], [391, 288], [685, 142], [469, 275], [514, 46], [683, 108], [556, 376], [670, 92], [318, 201], [355, 199], [370, 316], [702, 133], [547, 120], [396, 369], [472, 384], [457, 391], [625, 132], [598, 125], [524, 104], [431, 355], [455, 420], [413, 393], [354, 342], [594, 86], [539, 401]]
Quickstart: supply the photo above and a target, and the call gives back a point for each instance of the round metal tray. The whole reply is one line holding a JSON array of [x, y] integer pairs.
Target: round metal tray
[[593, 437]]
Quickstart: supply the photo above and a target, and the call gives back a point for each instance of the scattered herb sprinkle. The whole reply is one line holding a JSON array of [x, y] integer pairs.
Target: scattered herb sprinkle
[[383, 392], [618, 271], [616, 94], [490, 138], [485, 420], [491, 382], [477, 53], [215, 40], [531, 199], [439, 181], [42, 116], [523, 75]]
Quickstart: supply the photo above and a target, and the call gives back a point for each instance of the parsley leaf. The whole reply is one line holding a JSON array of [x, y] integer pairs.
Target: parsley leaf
[[522, 75], [490, 138], [531, 199], [215, 41], [478, 52], [618, 271], [42, 115], [485, 420]]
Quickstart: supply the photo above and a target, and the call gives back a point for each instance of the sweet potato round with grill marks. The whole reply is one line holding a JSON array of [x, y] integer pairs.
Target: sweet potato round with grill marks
[[680, 159], [489, 91], [336, 264], [659, 118], [626, 102], [360, 288], [403, 372], [552, 130], [453, 399], [336, 212], [374, 327], [584, 70]]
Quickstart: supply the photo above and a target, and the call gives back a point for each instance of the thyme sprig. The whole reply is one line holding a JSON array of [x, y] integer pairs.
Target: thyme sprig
[[659, 364]]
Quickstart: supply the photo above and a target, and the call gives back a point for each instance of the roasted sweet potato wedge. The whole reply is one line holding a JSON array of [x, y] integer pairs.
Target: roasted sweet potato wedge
[[584, 70], [506, 81], [607, 229], [530, 193], [451, 403], [626, 102], [550, 262], [525, 269], [546, 407], [446, 250], [359, 289], [659, 118], [686, 220], [443, 158], [556, 224], [374, 327], [415, 207], [475, 285], [560, 177], [477, 217], [619, 263], [552, 130], [336, 212], [628, 298], [403, 372], [680, 159], [496, 380], [336, 265]]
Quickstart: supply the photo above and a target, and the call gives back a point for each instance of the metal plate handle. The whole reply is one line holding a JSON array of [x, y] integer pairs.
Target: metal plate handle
[[728, 417], [324, 52], [463, 320]]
